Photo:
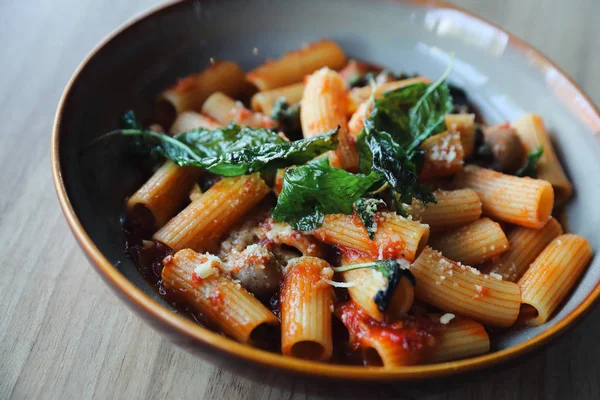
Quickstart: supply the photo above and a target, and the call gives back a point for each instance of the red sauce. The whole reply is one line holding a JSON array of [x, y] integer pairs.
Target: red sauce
[[392, 249], [354, 255], [416, 336]]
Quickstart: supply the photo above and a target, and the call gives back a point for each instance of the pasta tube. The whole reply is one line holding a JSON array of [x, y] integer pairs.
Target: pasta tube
[[189, 120], [165, 192], [552, 276], [465, 290], [444, 155], [200, 225], [396, 237], [225, 110], [532, 132], [473, 243], [293, 66], [391, 344], [525, 244], [306, 306], [323, 107], [464, 124], [454, 208], [363, 285], [361, 94], [190, 92], [522, 201], [461, 338], [263, 101], [198, 280]]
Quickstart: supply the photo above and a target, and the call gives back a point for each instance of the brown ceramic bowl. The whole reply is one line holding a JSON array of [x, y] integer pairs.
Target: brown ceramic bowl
[[504, 76]]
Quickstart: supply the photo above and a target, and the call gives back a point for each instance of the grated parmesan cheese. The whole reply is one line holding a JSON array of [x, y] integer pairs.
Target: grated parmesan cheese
[[495, 275], [403, 264], [279, 230], [208, 267], [446, 318], [339, 284], [475, 271]]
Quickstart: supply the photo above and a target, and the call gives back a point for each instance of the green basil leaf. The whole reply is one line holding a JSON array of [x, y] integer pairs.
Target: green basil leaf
[[315, 189], [365, 209], [427, 116], [387, 158], [530, 167], [234, 151]]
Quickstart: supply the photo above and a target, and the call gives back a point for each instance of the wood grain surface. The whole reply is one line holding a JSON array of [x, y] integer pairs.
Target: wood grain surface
[[63, 333]]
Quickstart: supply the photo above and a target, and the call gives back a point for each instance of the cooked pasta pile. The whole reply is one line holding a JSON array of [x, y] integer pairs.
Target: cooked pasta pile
[[343, 209]]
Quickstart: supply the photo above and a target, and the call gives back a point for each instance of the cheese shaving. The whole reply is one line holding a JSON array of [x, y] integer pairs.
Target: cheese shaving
[[208, 267]]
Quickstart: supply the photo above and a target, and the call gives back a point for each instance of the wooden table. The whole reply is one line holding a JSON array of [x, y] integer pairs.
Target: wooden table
[[63, 334]]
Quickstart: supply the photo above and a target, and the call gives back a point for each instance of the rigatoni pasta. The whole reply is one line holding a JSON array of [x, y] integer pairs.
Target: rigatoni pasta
[[306, 308], [201, 224], [198, 279], [323, 107], [522, 201], [364, 284], [396, 237], [224, 110], [524, 246], [293, 66], [188, 120], [263, 101], [453, 208], [360, 95], [552, 275], [461, 289], [474, 243], [460, 338], [190, 92], [165, 192], [464, 124], [532, 132], [345, 195], [444, 155]]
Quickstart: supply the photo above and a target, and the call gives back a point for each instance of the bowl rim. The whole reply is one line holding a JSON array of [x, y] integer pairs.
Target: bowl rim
[[135, 297]]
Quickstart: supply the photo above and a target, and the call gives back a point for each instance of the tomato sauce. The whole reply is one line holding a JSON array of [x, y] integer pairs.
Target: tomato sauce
[[416, 336]]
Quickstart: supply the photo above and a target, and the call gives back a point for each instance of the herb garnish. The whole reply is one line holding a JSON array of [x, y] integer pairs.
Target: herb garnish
[[287, 117], [391, 271], [389, 154], [530, 167], [365, 209], [398, 125], [234, 150], [315, 189]]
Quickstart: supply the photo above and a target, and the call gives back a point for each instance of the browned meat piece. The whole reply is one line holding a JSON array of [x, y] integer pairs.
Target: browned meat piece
[[256, 268], [506, 147]]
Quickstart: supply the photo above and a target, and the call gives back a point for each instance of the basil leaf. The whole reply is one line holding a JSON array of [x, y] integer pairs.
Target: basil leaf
[[234, 151], [287, 117], [366, 209], [391, 271], [315, 189], [530, 167], [391, 113], [427, 116], [390, 161], [391, 136], [413, 113]]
